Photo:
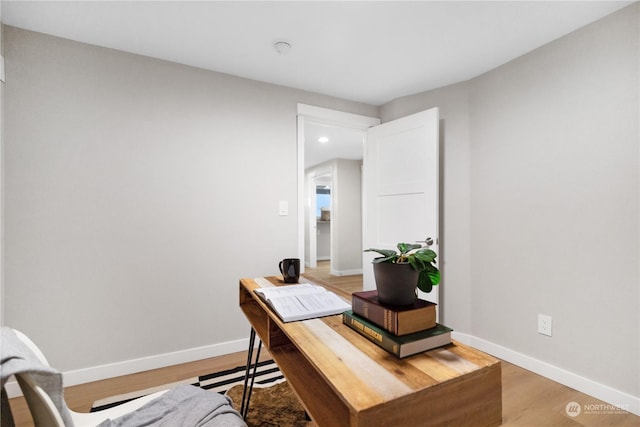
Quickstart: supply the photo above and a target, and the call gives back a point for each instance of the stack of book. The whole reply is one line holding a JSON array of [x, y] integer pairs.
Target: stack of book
[[402, 331]]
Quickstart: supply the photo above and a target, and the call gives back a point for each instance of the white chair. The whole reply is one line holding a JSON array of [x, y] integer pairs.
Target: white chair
[[44, 411]]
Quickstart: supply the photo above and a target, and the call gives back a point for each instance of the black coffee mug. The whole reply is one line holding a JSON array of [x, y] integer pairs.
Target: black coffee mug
[[290, 270]]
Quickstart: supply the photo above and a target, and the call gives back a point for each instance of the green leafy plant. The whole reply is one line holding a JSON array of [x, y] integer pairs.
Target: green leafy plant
[[421, 259]]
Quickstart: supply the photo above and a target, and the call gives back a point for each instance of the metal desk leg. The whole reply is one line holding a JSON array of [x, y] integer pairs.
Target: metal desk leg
[[246, 393]]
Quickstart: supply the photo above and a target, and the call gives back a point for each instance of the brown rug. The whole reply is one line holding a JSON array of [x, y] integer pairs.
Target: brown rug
[[271, 406]]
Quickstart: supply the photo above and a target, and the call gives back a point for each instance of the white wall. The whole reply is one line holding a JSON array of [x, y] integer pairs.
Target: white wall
[[552, 143], [323, 240], [346, 222], [555, 202], [138, 192]]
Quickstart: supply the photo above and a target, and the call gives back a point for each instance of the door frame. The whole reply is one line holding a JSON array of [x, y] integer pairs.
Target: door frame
[[309, 113]]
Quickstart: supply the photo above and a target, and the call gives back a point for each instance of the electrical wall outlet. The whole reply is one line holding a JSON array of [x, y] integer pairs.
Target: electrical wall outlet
[[545, 324]]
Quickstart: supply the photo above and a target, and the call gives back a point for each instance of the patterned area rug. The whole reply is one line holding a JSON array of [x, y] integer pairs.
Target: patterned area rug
[[219, 382]]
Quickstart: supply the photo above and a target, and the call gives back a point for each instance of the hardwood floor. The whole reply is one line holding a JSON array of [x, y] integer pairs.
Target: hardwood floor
[[344, 284], [528, 399]]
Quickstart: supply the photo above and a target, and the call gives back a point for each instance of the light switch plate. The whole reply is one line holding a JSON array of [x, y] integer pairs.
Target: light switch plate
[[283, 209]]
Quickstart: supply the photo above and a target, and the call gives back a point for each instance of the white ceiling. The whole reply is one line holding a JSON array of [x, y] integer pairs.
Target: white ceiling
[[344, 143], [367, 51]]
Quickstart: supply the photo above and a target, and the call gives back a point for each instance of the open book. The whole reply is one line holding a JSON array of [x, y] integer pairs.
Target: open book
[[302, 301]]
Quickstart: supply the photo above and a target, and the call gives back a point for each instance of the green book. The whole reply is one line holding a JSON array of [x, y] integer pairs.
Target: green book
[[401, 346]]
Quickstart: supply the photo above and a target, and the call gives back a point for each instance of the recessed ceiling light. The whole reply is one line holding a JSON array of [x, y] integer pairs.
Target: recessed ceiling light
[[323, 139]]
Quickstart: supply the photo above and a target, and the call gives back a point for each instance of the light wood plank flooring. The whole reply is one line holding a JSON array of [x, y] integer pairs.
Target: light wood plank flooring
[[528, 399], [345, 284]]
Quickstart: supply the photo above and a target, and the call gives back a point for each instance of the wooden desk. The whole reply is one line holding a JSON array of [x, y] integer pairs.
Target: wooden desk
[[344, 380]]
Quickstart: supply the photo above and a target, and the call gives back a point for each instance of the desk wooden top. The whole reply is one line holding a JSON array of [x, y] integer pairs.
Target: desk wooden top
[[365, 376]]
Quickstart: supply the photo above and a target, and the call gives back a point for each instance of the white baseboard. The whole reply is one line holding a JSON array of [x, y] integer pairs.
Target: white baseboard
[[584, 385], [96, 373], [346, 272]]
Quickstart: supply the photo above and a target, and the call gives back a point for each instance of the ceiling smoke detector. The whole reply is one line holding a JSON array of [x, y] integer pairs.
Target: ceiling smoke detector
[[282, 47]]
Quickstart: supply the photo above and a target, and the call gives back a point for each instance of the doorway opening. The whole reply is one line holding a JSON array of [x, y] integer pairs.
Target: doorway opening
[[327, 157]]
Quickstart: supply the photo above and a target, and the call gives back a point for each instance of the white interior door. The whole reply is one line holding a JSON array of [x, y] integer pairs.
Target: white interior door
[[400, 187]]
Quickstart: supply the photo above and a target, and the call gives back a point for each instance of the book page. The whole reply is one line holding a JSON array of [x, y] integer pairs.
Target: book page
[[304, 301], [289, 290]]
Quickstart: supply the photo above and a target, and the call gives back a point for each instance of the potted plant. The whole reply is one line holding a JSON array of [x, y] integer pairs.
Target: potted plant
[[399, 273]]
